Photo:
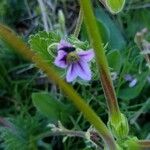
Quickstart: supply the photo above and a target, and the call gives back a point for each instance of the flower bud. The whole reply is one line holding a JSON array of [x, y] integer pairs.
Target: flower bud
[[119, 127]]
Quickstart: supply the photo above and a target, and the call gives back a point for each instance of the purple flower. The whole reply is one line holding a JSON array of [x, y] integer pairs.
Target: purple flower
[[132, 81], [128, 77], [76, 62]]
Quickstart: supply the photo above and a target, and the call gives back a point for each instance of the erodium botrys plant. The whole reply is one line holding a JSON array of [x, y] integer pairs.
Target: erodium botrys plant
[[77, 62]]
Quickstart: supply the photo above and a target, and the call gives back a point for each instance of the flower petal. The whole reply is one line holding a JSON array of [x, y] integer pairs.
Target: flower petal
[[71, 73], [128, 77], [86, 55], [133, 83], [62, 44], [83, 70], [60, 60]]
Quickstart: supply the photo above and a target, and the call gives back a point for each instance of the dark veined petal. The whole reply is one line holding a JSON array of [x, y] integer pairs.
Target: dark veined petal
[[71, 73], [60, 60], [79, 68], [63, 44], [86, 55], [83, 70]]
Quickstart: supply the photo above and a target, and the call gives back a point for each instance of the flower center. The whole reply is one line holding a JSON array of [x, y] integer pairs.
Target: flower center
[[72, 57]]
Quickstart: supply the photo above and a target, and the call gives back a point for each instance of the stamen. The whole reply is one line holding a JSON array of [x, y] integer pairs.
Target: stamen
[[72, 57]]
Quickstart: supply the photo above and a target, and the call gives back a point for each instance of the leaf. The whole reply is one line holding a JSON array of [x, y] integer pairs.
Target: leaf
[[115, 6], [116, 39], [131, 93], [105, 34], [79, 44], [21, 130], [40, 42], [135, 21], [49, 106], [115, 60], [103, 30]]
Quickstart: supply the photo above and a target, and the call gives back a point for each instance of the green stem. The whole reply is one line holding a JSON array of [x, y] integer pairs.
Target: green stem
[[79, 24], [100, 58], [88, 113], [70, 133]]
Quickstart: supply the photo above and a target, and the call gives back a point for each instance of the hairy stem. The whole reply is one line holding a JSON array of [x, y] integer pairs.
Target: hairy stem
[[93, 137], [100, 58], [70, 133]]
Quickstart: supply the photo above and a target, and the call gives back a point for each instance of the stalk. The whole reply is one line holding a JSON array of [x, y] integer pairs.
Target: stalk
[[117, 123], [16, 43], [101, 60]]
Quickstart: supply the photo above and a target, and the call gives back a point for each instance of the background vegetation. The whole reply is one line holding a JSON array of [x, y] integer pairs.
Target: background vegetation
[[21, 125]]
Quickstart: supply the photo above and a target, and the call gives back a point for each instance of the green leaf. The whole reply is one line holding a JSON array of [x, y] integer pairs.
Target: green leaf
[[131, 93], [40, 42], [49, 106], [22, 130], [105, 34], [135, 21], [115, 37], [115, 60], [115, 6], [78, 44], [103, 30]]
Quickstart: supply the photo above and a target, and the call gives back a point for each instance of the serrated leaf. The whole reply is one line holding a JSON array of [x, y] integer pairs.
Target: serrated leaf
[[79, 44], [49, 106], [40, 42]]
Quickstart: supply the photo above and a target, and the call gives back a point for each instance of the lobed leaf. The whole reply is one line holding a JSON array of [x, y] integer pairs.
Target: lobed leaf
[[40, 42]]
